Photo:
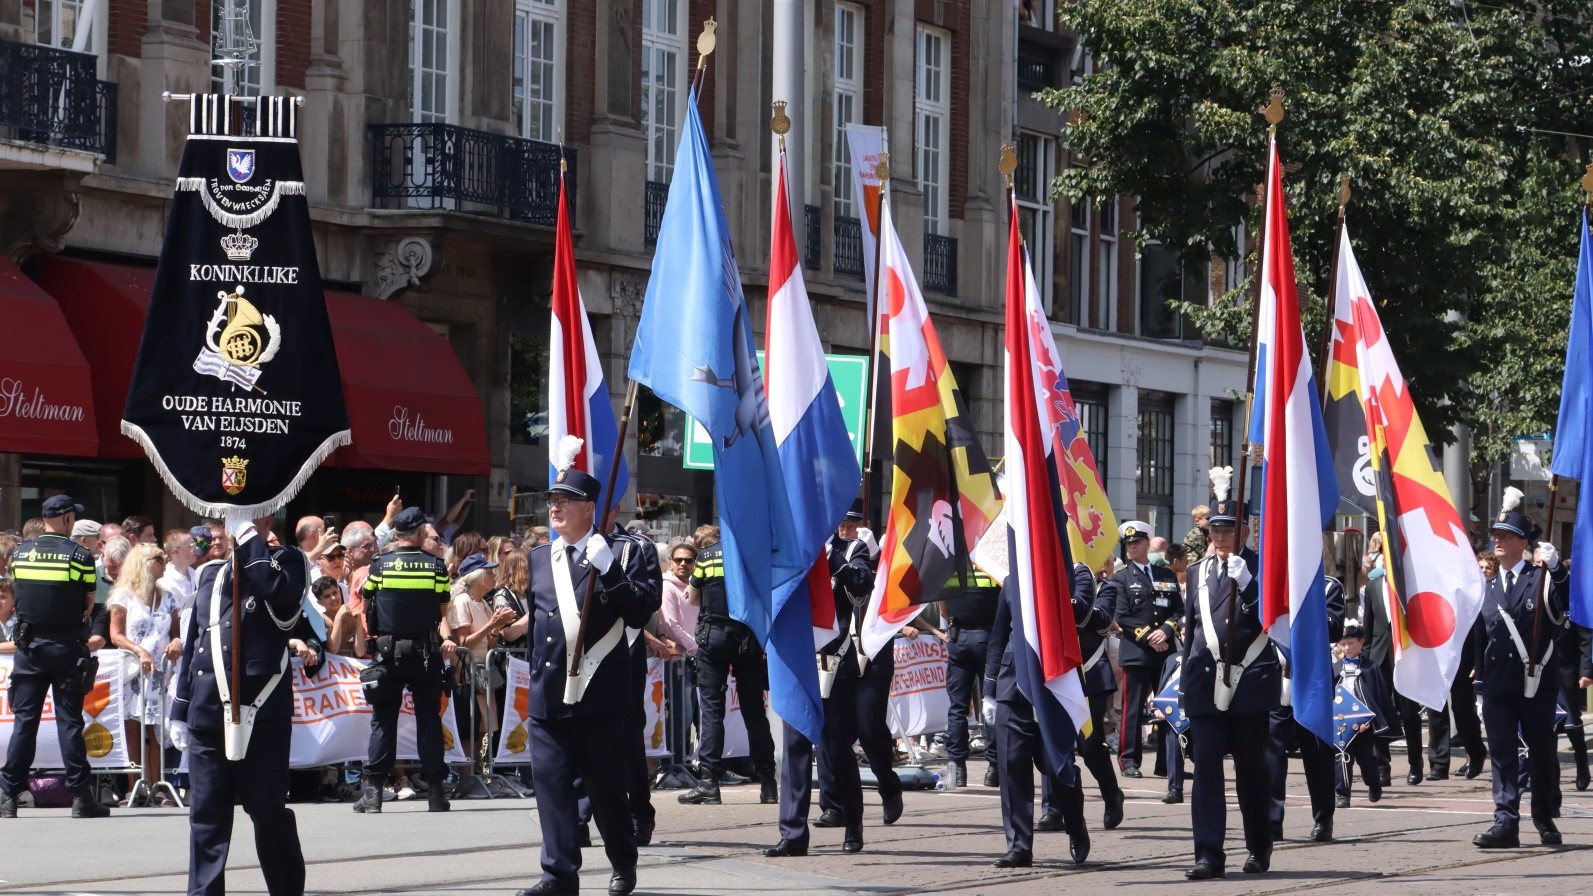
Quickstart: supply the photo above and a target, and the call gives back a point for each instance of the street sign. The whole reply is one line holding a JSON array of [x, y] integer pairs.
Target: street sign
[[847, 372]]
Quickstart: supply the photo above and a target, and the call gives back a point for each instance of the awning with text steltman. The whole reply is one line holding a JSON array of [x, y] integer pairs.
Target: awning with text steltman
[[46, 406]]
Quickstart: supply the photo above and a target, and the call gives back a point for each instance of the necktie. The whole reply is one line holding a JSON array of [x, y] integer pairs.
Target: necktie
[[569, 556], [1510, 580]]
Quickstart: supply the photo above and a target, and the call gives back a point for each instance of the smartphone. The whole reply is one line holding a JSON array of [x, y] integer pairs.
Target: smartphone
[[398, 491], [329, 523]]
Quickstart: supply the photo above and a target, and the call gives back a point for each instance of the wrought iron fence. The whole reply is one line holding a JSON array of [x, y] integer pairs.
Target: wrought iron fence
[[812, 255], [52, 97], [940, 263], [653, 211], [444, 166], [848, 247]]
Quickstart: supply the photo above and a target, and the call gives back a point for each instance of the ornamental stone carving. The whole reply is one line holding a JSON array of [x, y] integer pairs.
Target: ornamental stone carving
[[403, 264]]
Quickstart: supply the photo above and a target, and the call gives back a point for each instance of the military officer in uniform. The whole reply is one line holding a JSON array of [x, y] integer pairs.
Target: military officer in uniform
[[54, 588], [969, 616], [575, 722], [1231, 684], [1518, 696], [407, 635], [1146, 603], [274, 629]]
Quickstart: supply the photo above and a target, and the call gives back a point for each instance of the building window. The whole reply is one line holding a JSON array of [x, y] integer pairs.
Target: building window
[[663, 75], [933, 92], [1156, 460], [1037, 14], [1079, 256], [538, 76], [1090, 399], [1106, 270], [258, 78], [848, 100], [429, 61], [1221, 433], [1031, 184], [58, 22]]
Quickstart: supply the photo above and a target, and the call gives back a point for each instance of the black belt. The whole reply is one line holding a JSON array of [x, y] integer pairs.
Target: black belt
[[966, 626]]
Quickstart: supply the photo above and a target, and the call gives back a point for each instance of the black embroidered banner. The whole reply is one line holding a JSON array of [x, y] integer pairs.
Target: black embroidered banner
[[236, 396]]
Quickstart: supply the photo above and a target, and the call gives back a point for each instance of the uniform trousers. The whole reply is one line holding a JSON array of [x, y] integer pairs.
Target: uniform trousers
[[422, 675], [860, 710], [50, 666], [1534, 719], [1092, 750], [796, 783], [1318, 760], [259, 783], [1215, 736], [1020, 752], [637, 787], [965, 670], [713, 672], [1361, 752], [1139, 682], [1280, 733], [581, 746]]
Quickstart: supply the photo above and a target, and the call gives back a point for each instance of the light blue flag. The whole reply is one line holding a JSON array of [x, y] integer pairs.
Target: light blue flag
[[1573, 435], [694, 349]]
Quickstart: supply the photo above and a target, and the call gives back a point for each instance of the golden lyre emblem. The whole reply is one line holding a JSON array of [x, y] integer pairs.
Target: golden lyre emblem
[[240, 333]]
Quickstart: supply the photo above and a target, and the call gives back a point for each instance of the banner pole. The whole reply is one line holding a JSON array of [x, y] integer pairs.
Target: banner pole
[[578, 650]]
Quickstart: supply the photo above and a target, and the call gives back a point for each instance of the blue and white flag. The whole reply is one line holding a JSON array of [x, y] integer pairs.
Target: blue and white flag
[[1573, 434]]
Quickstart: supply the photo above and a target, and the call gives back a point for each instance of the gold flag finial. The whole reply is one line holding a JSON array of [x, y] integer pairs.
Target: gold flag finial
[[1344, 193], [1009, 163], [1587, 185], [1274, 110], [705, 42], [564, 164], [780, 123], [882, 168]]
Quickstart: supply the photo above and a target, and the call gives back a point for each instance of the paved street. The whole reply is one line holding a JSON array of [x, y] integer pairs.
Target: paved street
[[1416, 841]]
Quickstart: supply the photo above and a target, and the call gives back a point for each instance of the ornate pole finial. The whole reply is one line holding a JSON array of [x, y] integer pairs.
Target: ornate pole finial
[[780, 124], [1587, 185], [706, 42], [1274, 110], [1343, 194], [1009, 163], [882, 169], [564, 164]]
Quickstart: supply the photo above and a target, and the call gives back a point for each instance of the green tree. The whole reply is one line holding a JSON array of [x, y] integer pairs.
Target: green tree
[[1439, 113]]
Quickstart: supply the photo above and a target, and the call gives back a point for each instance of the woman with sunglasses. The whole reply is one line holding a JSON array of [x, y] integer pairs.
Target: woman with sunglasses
[[144, 620]]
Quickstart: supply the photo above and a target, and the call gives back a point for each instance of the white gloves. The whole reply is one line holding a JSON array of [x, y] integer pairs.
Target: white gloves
[[1239, 571], [598, 554], [866, 536], [1549, 556], [241, 530], [987, 712], [177, 732]]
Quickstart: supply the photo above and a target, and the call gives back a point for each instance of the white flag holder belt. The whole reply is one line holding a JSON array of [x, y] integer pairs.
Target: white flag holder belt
[[1531, 680], [1222, 696], [564, 587], [235, 737]]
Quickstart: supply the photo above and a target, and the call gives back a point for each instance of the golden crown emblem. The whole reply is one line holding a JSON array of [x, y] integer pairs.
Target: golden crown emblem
[[239, 246], [234, 462]]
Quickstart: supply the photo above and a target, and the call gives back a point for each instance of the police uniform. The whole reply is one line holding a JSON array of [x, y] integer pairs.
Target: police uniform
[[1240, 727], [573, 731], [272, 585], [970, 616], [1501, 642], [725, 645], [405, 594], [54, 588], [1144, 600]]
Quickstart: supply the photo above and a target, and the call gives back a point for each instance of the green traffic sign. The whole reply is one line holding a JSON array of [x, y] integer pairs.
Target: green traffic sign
[[847, 372]]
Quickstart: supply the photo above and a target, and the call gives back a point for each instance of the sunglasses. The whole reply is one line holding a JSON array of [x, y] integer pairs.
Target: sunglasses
[[684, 559]]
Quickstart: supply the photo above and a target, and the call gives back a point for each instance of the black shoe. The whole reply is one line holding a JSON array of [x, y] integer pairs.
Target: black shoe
[[961, 774], [1015, 859], [552, 888], [829, 818], [1173, 796], [1277, 832], [1475, 766], [1412, 779], [992, 777], [1341, 802], [1549, 835], [583, 836], [768, 790], [893, 808], [1078, 846], [1374, 792], [787, 849], [1049, 822], [1438, 775], [1114, 811], [1204, 871], [1132, 771], [8, 807], [1323, 832], [86, 806], [370, 799], [1258, 862], [1382, 777], [622, 882], [436, 800], [1497, 837], [852, 844], [1583, 779], [731, 779], [643, 831], [706, 793]]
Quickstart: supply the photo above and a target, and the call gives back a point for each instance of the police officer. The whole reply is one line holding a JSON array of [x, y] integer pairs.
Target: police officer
[[575, 721], [407, 635], [273, 629], [1518, 696], [969, 617], [54, 585], [726, 645], [1231, 684], [1146, 603]]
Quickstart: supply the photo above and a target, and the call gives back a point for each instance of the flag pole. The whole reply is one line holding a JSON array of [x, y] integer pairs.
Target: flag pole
[[882, 173], [1333, 291], [578, 650]]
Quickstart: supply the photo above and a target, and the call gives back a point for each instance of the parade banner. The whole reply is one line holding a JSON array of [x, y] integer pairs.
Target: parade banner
[[332, 721], [236, 395], [919, 703], [865, 145], [103, 732], [654, 741]]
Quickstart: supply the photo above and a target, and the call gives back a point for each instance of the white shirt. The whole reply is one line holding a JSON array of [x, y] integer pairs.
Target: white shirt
[[180, 584]]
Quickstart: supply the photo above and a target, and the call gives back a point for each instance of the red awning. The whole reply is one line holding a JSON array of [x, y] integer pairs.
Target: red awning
[[411, 406], [46, 406]]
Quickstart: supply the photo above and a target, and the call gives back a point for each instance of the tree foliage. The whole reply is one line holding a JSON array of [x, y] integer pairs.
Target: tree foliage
[[1440, 112]]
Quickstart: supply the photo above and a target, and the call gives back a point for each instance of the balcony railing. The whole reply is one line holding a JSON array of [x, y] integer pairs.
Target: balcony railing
[[431, 165], [1042, 59], [813, 255], [52, 97], [940, 263], [653, 211], [848, 247]]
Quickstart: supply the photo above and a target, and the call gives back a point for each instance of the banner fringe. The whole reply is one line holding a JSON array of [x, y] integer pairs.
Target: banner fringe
[[240, 222], [248, 511]]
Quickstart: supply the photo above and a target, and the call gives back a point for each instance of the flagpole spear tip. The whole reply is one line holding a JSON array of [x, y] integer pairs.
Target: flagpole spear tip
[[1587, 186], [780, 123], [1009, 163], [1343, 194], [1274, 110]]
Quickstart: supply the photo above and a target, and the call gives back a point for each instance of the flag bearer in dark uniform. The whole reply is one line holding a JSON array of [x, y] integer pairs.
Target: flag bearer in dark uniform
[[1092, 614], [1317, 759], [1010, 714], [1147, 603], [54, 588], [406, 603], [969, 617], [1231, 684], [247, 765], [575, 722], [725, 645], [1516, 698]]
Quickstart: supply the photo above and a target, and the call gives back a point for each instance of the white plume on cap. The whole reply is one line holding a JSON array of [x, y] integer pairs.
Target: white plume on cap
[[1512, 499], [569, 448], [1220, 478]]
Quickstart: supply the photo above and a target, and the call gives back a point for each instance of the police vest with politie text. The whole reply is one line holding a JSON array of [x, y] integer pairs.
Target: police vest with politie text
[[51, 574], [402, 595], [709, 581], [974, 607]]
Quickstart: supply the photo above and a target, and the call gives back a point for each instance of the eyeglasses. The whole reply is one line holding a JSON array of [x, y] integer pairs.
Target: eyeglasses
[[334, 556], [563, 501]]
